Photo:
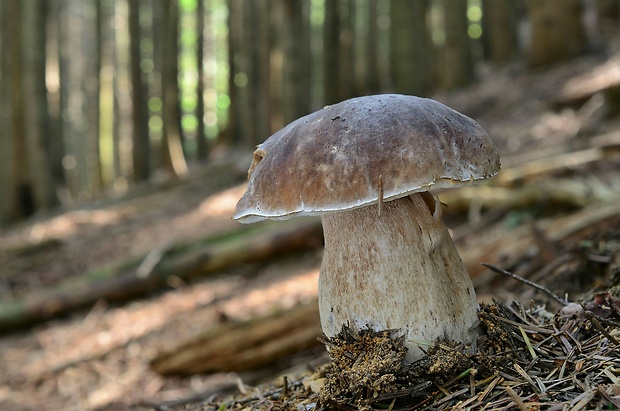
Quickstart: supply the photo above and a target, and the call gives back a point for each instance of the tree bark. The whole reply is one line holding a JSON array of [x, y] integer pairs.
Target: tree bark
[[22, 201], [201, 137], [240, 346], [347, 50], [372, 82], [296, 64], [456, 68], [173, 157], [331, 53], [141, 149], [240, 131], [37, 125], [557, 33], [6, 138], [258, 35], [608, 12], [501, 18], [410, 58]]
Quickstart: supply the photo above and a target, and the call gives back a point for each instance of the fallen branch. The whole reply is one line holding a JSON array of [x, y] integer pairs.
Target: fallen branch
[[561, 192], [511, 245], [233, 346], [527, 282], [187, 263]]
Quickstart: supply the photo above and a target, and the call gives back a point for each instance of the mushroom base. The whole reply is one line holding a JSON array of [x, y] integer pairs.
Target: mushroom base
[[396, 270]]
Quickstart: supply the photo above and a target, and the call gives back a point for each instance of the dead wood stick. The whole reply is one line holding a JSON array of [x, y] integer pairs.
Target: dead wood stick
[[545, 166], [564, 191], [527, 282], [519, 239], [242, 346]]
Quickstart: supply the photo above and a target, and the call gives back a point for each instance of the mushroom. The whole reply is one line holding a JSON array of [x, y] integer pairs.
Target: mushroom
[[365, 165]]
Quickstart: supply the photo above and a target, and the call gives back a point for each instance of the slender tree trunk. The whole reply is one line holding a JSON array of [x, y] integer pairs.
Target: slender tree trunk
[[241, 121], [6, 138], [91, 87], [261, 64], [141, 149], [55, 143], [174, 160], [120, 99], [608, 12], [556, 32], [201, 137], [331, 53], [410, 49], [347, 49], [500, 29], [105, 52], [37, 122], [155, 84], [372, 83], [296, 64], [23, 201], [456, 68], [277, 52]]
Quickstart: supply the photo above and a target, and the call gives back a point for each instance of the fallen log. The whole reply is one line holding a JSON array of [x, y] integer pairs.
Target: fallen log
[[604, 79], [132, 279], [567, 192], [239, 346]]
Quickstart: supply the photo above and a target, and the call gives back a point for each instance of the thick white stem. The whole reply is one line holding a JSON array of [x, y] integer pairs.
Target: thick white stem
[[399, 270]]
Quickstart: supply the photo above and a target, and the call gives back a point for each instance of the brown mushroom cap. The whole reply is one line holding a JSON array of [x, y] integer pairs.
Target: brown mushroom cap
[[363, 150]]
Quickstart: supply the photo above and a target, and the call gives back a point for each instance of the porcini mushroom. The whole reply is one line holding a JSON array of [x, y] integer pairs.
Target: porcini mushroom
[[366, 165]]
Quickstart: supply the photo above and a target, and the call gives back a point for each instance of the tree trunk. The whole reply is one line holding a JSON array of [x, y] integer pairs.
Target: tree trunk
[[240, 133], [91, 88], [347, 50], [500, 29], [141, 149], [22, 199], [410, 59], [121, 104], [456, 68], [372, 82], [557, 33], [331, 53], [258, 34], [6, 138], [79, 99], [296, 64], [201, 137], [37, 124], [239, 346], [105, 51], [173, 157], [608, 12]]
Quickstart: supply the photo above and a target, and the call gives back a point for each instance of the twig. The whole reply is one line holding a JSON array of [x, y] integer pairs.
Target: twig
[[528, 282], [603, 331], [518, 401], [152, 259]]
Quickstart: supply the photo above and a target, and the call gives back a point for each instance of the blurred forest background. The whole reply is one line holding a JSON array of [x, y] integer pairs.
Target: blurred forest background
[[126, 131], [96, 96]]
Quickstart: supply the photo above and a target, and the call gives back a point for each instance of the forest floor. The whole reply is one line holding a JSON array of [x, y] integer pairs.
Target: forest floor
[[98, 358]]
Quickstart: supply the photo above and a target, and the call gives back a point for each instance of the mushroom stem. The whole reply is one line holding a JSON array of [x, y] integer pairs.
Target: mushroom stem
[[399, 270]]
